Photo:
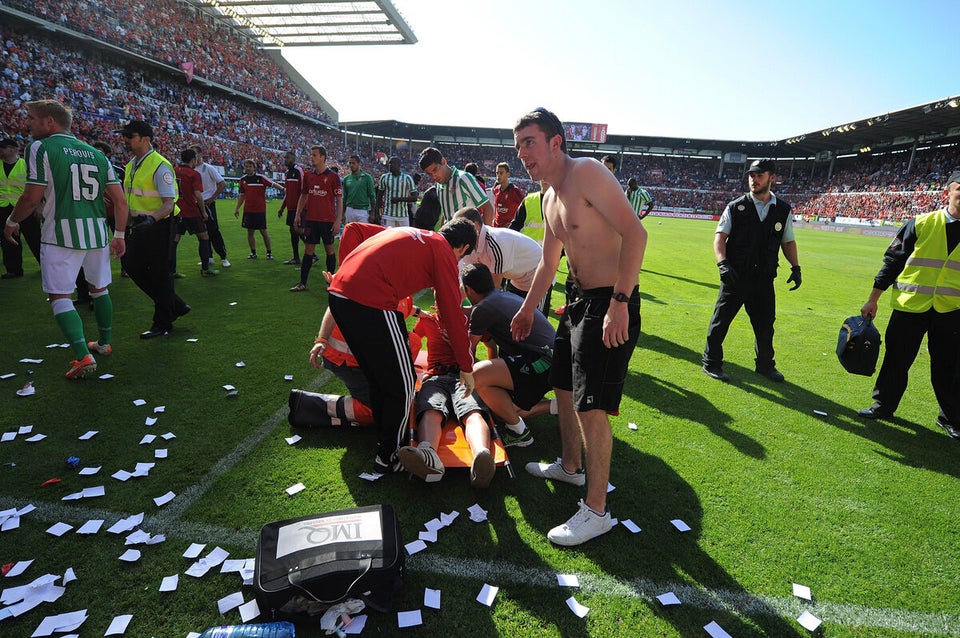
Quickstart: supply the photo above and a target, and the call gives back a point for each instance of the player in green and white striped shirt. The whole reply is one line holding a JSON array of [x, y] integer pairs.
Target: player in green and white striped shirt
[[397, 190], [455, 188], [639, 197], [70, 178]]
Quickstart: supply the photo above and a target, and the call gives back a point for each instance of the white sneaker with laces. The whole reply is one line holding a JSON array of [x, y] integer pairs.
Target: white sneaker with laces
[[581, 527], [225, 263], [422, 461], [556, 472]]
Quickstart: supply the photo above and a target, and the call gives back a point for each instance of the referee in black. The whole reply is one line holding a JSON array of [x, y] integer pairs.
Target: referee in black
[[752, 231], [150, 187]]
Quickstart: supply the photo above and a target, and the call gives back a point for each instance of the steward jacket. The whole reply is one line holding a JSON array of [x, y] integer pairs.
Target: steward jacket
[[142, 194], [753, 246], [529, 217], [12, 184], [927, 249]]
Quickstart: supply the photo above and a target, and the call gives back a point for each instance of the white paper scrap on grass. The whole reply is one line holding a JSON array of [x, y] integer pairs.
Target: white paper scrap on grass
[[160, 453], [130, 556], [27, 390], [91, 527], [194, 550], [106, 376], [233, 565], [632, 425], [232, 303], [89, 471], [60, 623], [802, 591], [163, 500], [447, 519], [576, 607], [143, 469], [9, 523], [293, 439], [630, 525], [409, 618], [433, 525], [25, 429], [294, 489], [240, 364], [160, 409], [169, 583], [92, 492], [18, 568], [415, 546], [431, 598], [87, 436], [430, 537], [288, 377], [229, 602], [716, 631], [367, 476], [820, 413], [487, 594], [36, 437], [118, 626], [168, 436], [477, 513], [156, 539], [139, 402], [680, 525], [76, 496], [147, 438], [7, 436], [8, 375], [249, 610], [32, 360], [121, 475], [192, 340], [150, 420], [228, 387], [610, 487], [69, 576], [355, 625], [668, 599], [136, 537], [568, 580], [59, 529], [808, 621], [126, 524]]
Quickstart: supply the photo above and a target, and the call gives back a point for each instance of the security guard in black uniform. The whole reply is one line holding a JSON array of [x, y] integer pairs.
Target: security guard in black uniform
[[752, 231]]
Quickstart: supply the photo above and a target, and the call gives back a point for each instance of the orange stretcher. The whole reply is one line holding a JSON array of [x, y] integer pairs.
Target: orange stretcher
[[454, 451]]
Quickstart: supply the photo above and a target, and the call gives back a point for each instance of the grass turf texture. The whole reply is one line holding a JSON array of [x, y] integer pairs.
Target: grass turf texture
[[862, 512]]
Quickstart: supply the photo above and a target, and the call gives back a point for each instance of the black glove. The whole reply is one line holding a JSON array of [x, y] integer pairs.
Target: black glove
[[795, 277], [727, 274]]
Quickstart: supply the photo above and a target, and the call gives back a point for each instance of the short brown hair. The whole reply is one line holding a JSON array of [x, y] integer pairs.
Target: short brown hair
[[61, 114]]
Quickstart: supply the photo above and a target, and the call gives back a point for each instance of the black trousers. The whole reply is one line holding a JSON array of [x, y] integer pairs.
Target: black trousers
[[213, 231], [757, 296], [379, 341], [29, 233], [903, 337], [147, 261]]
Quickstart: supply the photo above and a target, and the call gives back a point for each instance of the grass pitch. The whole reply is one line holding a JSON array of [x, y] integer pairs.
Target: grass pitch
[[864, 513]]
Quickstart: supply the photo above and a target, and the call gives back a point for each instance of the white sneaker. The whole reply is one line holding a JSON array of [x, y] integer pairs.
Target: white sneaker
[[225, 263], [556, 472], [422, 461], [581, 527]]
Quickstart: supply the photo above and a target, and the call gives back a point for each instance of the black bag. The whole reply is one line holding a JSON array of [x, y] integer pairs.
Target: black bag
[[305, 565], [858, 346]]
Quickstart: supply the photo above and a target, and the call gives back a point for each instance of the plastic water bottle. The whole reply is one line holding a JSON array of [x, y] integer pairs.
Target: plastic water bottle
[[268, 630]]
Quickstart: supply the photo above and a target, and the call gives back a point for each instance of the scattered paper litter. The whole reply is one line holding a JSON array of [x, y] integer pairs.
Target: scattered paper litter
[[292, 439], [194, 550], [59, 529], [288, 377], [119, 625], [293, 489], [610, 487], [139, 402], [89, 471], [576, 607], [36, 437], [89, 435], [632, 425], [60, 623], [168, 436], [228, 387], [808, 621], [630, 525], [232, 565], [7, 375], [170, 583], [487, 594], [431, 598], [27, 390], [232, 303], [680, 525], [715, 630], [69, 576], [18, 568], [802, 591], [249, 610], [668, 599], [415, 546], [430, 537], [409, 618], [447, 519], [163, 500], [229, 602], [31, 360], [126, 524], [150, 420], [356, 625], [367, 476], [192, 340], [160, 409], [8, 436], [137, 537], [240, 364], [130, 556], [820, 413], [477, 513], [106, 376], [160, 453], [25, 429], [147, 438], [91, 527], [568, 580]]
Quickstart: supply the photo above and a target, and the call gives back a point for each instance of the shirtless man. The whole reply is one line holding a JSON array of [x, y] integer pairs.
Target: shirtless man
[[587, 214]]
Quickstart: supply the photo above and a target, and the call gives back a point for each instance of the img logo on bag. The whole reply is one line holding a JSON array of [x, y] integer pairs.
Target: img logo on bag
[[317, 532]]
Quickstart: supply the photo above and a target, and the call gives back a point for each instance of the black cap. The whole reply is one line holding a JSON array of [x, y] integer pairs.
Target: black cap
[[9, 142], [137, 127], [761, 165], [954, 177]]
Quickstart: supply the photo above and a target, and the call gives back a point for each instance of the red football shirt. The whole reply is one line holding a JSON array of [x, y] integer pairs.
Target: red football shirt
[[293, 182], [506, 203], [254, 190], [188, 183], [322, 191]]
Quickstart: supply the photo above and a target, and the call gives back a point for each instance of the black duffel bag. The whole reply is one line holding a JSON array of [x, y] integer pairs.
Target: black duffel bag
[[858, 346]]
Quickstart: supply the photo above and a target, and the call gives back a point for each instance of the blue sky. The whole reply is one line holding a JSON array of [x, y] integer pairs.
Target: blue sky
[[724, 69]]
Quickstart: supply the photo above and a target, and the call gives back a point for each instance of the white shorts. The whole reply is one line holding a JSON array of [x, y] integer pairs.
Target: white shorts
[[59, 268], [394, 222], [357, 215]]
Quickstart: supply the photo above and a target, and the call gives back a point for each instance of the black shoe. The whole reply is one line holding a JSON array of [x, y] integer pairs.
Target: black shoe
[[184, 311], [155, 331], [952, 430], [771, 373], [716, 373], [379, 467], [11, 275], [875, 412]]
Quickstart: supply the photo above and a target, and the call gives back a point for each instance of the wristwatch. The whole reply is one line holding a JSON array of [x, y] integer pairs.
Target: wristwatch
[[619, 296]]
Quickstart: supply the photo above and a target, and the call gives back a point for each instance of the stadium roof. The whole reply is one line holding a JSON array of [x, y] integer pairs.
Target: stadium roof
[[934, 123], [329, 22]]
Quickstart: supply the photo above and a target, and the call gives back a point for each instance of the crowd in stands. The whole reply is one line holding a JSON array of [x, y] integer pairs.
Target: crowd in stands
[[173, 33], [105, 92]]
